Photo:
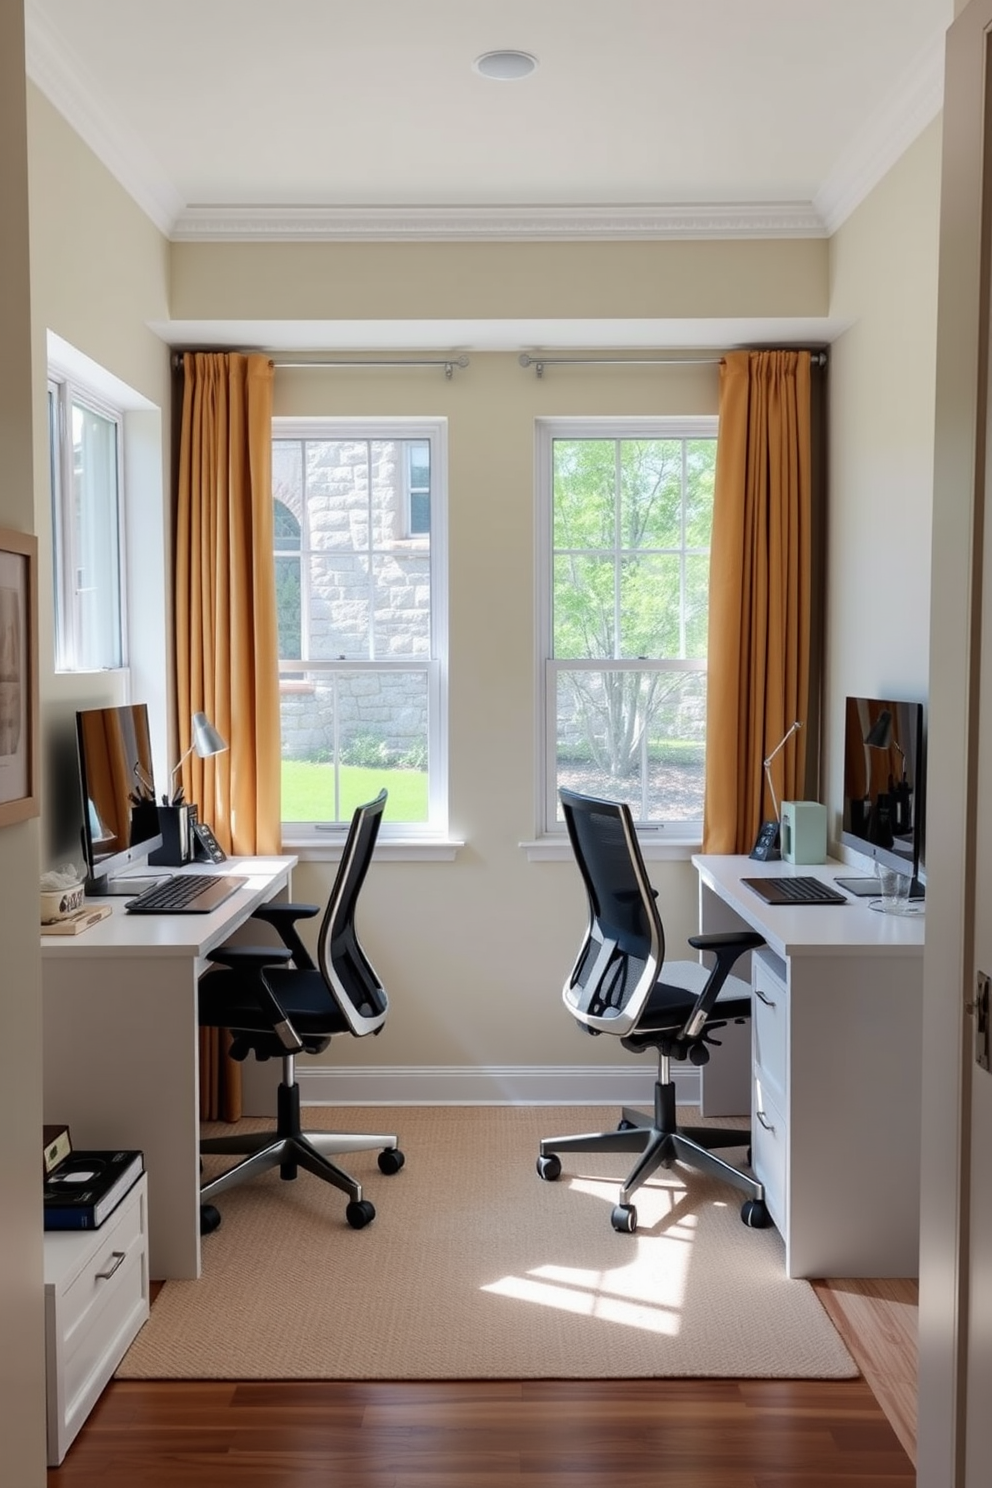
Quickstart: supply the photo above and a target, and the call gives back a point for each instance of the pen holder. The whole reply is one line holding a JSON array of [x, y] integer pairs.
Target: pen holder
[[174, 824]]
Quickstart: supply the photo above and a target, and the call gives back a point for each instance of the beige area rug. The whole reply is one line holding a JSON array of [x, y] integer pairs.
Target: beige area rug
[[475, 1268]]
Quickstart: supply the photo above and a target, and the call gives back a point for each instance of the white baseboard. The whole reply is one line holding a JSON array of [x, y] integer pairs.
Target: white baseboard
[[512, 1085]]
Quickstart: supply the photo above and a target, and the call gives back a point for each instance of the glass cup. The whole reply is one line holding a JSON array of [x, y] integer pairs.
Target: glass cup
[[893, 889]]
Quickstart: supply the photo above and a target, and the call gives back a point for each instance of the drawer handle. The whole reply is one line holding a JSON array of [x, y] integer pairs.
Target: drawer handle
[[768, 1001], [766, 1124], [119, 1256]]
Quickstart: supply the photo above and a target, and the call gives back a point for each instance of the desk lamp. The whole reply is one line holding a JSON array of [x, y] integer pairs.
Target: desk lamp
[[206, 741], [766, 848]]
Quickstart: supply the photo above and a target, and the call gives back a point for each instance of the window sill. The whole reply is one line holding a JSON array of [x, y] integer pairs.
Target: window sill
[[558, 849], [388, 850]]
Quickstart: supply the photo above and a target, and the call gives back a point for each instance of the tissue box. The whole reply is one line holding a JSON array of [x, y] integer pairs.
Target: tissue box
[[59, 904]]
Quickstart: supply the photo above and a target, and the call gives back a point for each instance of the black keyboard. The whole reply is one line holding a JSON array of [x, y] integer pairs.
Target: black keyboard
[[799, 890], [186, 893]]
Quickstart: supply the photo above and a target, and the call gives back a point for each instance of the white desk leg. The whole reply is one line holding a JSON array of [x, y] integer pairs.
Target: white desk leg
[[121, 1068]]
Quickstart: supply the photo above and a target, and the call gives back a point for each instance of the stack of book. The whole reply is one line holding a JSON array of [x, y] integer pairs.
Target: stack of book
[[83, 1187]]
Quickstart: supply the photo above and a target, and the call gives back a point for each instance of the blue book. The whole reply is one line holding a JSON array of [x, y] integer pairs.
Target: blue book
[[87, 1186]]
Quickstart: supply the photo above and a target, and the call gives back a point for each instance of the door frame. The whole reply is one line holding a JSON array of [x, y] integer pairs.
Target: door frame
[[952, 745]]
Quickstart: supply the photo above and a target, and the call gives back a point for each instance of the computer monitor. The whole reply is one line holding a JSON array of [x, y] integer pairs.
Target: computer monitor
[[120, 817], [884, 784]]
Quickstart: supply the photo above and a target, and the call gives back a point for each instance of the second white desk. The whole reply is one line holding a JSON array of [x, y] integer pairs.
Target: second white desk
[[837, 1070]]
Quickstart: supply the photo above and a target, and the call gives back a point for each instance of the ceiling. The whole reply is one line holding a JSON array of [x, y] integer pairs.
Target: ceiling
[[315, 119]]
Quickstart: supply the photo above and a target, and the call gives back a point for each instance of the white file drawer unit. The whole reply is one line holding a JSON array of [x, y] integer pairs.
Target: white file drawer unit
[[837, 1069], [835, 1112], [770, 1084], [96, 1299]]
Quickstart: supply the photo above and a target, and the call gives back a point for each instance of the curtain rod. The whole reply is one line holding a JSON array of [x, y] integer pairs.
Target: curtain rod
[[818, 356], [448, 363]]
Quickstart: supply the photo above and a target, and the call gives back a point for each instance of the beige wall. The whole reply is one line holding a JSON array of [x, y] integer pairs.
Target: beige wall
[[22, 1367], [99, 267], [883, 276], [424, 281], [99, 276]]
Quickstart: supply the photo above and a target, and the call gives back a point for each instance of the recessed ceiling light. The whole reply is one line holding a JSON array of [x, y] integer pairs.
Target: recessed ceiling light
[[505, 67]]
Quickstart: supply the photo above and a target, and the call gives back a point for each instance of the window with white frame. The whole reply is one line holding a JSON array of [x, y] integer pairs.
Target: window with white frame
[[625, 515], [85, 442], [360, 510]]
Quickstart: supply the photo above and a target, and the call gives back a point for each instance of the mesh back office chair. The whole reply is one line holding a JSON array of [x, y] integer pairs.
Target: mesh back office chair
[[622, 984], [274, 1008]]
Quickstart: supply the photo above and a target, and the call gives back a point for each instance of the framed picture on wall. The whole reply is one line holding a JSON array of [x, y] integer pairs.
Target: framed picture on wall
[[18, 676]]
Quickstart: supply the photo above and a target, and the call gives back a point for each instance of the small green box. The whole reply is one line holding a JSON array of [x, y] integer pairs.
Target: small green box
[[804, 832]]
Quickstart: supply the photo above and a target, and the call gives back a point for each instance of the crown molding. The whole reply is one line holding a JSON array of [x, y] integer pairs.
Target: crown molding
[[50, 65], [499, 223], [890, 131]]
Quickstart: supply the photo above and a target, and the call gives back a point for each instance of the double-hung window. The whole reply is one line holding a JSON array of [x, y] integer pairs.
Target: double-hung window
[[85, 442], [625, 514], [359, 508]]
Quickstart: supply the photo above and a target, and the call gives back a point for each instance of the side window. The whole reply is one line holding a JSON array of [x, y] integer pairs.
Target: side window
[[86, 482], [360, 583], [626, 514]]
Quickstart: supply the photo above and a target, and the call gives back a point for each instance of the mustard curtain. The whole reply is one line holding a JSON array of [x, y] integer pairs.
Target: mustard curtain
[[761, 594], [226, 634]]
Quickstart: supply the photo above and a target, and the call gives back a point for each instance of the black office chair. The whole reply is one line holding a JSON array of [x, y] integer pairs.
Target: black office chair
[[274, 1008], [622, 984]]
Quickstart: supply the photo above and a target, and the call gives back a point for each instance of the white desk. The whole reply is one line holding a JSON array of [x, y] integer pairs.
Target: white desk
[[121, 1044], [836, 1069]]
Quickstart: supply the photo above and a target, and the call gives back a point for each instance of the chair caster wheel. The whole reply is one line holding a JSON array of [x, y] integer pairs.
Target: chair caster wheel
[[549, 1167], [391, 1160], [209, 1219], [624, 1219], [359, 1214], [754, 1213]]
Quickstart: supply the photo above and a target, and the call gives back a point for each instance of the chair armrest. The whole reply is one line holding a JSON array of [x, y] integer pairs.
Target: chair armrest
[[746, 940], [251, 961], [727, 947], [282, 917], [279, 910], [236, 956]]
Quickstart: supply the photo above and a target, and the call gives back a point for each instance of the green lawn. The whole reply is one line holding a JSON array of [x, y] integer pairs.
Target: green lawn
[[308, 792]]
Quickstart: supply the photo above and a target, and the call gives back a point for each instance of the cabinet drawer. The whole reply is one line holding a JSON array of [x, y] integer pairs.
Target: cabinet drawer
[[770, 1018], [96, 1299], [100, 1341], [85, 1285], [769, 1153]]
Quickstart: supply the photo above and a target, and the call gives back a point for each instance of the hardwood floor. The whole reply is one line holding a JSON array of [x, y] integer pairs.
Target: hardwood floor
[[527, 1434], [878, 1322], [479, 1434]]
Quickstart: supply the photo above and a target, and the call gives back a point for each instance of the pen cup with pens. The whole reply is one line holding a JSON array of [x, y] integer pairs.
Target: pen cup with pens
[[177, 835]]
